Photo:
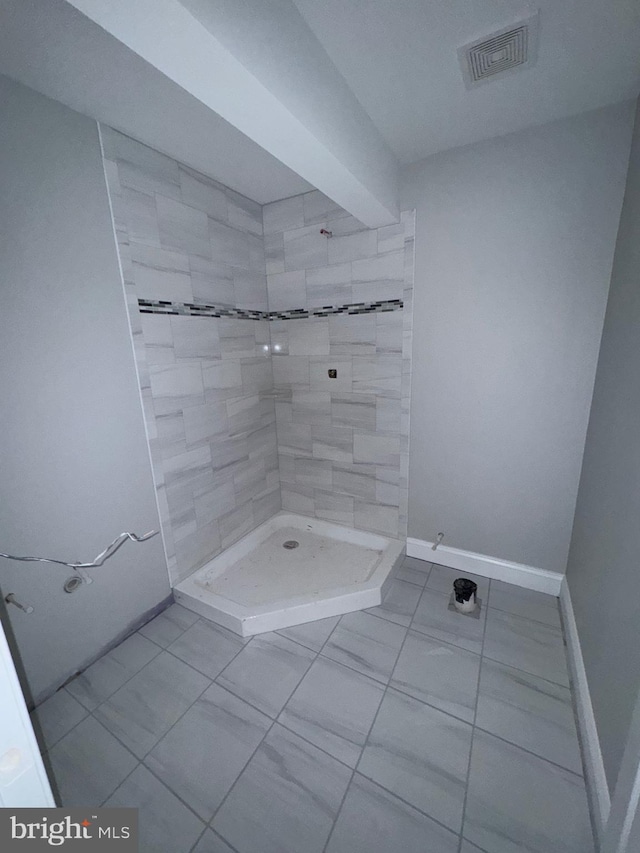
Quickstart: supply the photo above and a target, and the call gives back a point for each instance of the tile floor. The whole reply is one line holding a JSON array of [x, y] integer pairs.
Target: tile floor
[[406, 727]]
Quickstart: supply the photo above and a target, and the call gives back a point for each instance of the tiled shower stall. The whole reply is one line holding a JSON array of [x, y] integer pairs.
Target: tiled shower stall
[[238, 312]]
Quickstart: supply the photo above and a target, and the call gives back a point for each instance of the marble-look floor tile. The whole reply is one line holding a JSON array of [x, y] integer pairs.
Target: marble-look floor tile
[[313, 635], [530, 712], [56, 717], [420, 754], [399, 604], [467, 847], [374, 821], [286, 799], [267, 671], [442, 577], [89, 764], [518, 802], [367, 644], [333, 707], [207, 647], [434, 618], [442, 675], [165, 824], [524, 644], [525, 602], [212, 843], [405, 572], [169, 625], [142, 711], [200, 758], [112, 670]]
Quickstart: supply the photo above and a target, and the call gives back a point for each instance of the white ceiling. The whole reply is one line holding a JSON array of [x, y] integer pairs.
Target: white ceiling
[[400, 59], [50, 46]]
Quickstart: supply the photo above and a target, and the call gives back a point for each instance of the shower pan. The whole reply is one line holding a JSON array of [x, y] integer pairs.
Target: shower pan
[[288, 571]]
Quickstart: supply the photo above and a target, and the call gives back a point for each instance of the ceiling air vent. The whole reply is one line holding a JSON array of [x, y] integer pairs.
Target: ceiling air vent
[[511, 48]]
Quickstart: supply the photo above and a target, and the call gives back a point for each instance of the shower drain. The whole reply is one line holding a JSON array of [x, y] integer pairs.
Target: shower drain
[[290, 544]]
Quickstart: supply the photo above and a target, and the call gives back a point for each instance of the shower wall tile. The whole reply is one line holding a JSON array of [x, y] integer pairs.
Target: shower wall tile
[[342, 442], [203, 193], [274, 253], [319, 208], [182, 228], [280, 216], [351, 247], [330, 285], [215, 389], [211, 281], [286, 290], [206, 382], [305, 248]]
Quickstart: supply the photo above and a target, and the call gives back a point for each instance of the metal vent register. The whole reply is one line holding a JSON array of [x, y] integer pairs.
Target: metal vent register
[[510, 48]]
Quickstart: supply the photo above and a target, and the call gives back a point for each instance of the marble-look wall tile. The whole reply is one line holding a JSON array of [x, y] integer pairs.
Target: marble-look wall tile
[[354, 426], [280, 216], [203, 193], [329, 285], [182, 228], [286, 290], [305, 248], [352, 247], [220, 386], [206, 383], [308, 337], [320, 209]]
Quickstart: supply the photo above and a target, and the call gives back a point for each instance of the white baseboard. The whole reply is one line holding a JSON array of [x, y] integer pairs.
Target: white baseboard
[[595, 776], [518, 574]]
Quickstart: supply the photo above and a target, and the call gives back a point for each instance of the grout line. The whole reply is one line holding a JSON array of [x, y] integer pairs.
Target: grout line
[[407, 803], [273, 723], [91, 710], [526, 671], [120, 784], [473, 729], [528, 751], [526, 618]]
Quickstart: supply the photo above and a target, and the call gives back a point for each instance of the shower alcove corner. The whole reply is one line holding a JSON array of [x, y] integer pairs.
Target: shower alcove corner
[[260, 585]]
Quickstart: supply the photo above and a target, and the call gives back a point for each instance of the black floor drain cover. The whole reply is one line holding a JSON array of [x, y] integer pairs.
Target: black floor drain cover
[[290, 544]]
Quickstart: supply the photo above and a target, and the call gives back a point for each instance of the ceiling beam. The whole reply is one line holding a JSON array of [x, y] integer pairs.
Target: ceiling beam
[[266, 74]]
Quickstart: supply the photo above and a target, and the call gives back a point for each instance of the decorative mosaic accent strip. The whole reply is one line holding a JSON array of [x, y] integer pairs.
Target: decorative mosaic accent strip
[[160, 306], [151, 306]]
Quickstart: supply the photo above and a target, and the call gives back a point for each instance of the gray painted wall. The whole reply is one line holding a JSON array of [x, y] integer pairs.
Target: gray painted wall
[[73, 456], [603, 571], [514, 246]]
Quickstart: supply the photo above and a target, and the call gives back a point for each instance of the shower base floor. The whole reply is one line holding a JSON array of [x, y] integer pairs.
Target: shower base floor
[[258, 585]]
